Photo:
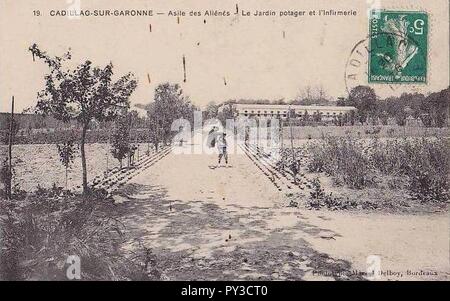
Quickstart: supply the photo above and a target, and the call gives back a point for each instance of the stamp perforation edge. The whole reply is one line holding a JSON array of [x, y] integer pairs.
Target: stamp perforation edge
[[425, 43], [431, 25]]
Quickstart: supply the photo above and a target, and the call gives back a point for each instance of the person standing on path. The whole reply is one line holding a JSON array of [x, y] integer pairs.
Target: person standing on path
[[222, 147]]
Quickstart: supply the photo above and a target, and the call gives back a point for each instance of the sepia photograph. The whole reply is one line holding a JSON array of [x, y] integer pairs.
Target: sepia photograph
[[209, 142]]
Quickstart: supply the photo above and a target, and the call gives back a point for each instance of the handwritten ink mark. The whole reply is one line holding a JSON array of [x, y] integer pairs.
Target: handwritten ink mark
[[184, 68]]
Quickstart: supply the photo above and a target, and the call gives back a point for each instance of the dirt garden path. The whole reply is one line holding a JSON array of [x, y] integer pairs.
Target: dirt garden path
[[231, 223]]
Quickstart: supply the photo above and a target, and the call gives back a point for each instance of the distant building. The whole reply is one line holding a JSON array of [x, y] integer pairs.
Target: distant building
[[281, 111]]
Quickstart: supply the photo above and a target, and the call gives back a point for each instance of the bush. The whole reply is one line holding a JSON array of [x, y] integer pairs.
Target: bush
[[40, 231], [428, 170], [318, 157], [424, 162], [344, 159], [318, 199], [5, 178]]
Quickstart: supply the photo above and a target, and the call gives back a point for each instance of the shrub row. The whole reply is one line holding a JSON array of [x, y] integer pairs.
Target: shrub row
[[357, 162]]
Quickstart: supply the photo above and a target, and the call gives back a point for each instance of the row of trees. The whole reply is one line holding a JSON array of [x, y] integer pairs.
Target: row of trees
[[89, 94], [432, 110], [170, 104], [84, 93]]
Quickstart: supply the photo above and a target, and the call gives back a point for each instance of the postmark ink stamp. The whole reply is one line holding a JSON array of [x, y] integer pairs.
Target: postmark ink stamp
[[398, 43]]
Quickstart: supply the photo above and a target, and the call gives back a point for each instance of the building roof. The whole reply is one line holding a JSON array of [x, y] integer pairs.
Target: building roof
[[294, 107]]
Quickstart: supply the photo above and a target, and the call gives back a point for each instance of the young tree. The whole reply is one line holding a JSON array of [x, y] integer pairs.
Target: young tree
[[120, 141], [228, 112], [211, 111], [6, 175], [170, 104], [153, 125], [84, 93], [66, 152]]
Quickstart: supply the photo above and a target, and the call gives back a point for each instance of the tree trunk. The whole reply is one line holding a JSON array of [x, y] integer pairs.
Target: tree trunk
[[292, 145], [66, 176], [137, 157], [156, 146], [83, 158]]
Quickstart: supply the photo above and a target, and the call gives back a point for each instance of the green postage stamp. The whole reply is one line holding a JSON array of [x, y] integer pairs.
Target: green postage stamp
[[398, 44]]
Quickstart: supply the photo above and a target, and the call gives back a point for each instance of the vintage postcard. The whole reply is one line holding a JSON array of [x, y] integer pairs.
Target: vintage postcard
[[224, 140]]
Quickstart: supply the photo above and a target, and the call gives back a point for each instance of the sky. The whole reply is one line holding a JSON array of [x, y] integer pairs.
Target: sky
[[257, 57]]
